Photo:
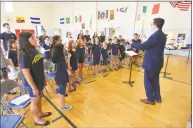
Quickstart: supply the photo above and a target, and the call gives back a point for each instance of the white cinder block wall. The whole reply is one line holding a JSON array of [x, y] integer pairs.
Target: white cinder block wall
[[50, 13], [29, 9]]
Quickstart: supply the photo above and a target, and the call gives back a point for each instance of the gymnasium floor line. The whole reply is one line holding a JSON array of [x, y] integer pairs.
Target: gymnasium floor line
[[61, 113], [162, 77]]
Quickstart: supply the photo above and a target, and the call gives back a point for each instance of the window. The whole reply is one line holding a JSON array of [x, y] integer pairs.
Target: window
[[9, 6]]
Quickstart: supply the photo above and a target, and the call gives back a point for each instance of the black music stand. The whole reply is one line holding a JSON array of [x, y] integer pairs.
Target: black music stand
[[188, 55], [165, 71], [130, 82]]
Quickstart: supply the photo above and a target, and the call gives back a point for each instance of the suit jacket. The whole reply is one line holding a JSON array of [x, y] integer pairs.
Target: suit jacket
[[154, 51]]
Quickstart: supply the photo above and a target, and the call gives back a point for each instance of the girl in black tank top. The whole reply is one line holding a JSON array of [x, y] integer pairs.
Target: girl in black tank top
[[72, 65]]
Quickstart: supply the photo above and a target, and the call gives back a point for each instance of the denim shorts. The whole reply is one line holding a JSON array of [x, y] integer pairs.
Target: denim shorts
[[61, 90], [30, 92]]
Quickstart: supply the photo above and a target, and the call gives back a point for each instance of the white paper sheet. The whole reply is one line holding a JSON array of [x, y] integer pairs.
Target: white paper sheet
[[131, 53], [169, 47], [20, 99]]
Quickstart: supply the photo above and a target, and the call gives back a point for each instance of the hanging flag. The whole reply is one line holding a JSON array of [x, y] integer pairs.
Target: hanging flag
[[174, 4], [112, 14], [123, 9], [68, 20], [35, 20], [184, 5], [155, 9], [80, 18], [103, 14], [62, 20], [20, 19], [76, 19], [98, 14], [144, 9], [82, 25]]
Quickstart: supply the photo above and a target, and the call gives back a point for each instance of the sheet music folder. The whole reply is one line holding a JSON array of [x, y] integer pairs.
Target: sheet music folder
[[130, 53]]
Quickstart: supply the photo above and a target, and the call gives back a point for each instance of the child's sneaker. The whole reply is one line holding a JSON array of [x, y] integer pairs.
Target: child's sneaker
[[116, 69], [66, 107], [105, 70]]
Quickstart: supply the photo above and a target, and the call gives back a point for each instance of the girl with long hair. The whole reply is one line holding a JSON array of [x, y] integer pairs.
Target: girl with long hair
[[31, 64], [80, 50], [72, 64], [61, 74]]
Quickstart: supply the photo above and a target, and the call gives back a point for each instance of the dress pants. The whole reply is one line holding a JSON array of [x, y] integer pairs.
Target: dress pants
[[152, 86]]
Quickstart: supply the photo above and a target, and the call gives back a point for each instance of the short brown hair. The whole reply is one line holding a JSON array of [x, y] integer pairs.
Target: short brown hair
[[11, 41], [5, 24]]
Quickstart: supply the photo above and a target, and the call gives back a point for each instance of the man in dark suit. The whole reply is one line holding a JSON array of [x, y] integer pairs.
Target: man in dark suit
[[153, 61]]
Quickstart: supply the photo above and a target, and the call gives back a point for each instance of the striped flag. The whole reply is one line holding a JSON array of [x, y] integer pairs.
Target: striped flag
[[35, 20], [62, 20], [78, 19], [174, 4], [182, 5]]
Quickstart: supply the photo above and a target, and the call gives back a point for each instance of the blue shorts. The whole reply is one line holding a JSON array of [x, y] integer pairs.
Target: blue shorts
[[4, 71], [61, 90], [30, 92]]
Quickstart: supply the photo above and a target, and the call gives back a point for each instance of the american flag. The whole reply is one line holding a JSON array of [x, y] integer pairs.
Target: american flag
[[182, 5], [174, 4]]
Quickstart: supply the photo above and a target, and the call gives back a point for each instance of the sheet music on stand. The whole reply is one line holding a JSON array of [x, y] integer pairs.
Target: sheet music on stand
[[130, 53], [20, 99], [169, 47]]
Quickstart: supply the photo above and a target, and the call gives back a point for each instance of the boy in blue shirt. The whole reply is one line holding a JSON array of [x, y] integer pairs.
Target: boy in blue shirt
[[5, 37], [114, 55]]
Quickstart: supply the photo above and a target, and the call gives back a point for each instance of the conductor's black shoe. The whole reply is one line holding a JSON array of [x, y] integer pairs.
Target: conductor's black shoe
[[145, 101], [159, 101]]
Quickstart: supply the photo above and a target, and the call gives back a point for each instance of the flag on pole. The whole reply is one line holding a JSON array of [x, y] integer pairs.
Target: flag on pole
[[68, 20], [155, 9], [91, 21], [35, 20], [144, 9], [62, 20]]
